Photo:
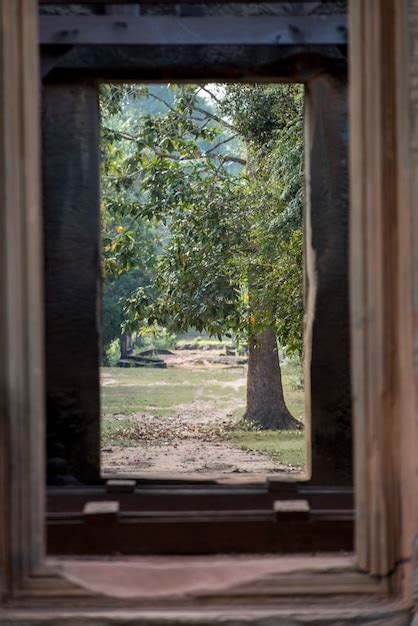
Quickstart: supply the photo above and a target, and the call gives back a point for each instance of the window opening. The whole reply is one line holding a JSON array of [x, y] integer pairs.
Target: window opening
[[202, 266]]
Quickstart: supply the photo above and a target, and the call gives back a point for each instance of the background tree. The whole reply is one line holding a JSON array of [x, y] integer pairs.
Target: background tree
[[269, 120], [129, 243], [229, 229]]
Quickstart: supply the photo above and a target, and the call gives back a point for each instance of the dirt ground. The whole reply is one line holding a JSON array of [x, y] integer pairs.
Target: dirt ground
[[191, 441], [180, 459], [204, 359]]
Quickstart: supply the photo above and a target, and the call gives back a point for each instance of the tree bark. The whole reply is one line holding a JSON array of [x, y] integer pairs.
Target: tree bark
[[265, 401], [125, 343]]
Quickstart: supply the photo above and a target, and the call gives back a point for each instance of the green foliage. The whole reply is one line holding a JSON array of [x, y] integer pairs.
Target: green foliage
[[156, 337], [112, 354], [202, 189], [270, 119], [115, 290]]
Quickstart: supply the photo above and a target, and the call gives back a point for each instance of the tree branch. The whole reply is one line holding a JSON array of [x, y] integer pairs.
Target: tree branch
[[204, 112], [120, 133], [201, 155], [212, 95], [152, 95], [221, 143], [231, 158], [215, 118]]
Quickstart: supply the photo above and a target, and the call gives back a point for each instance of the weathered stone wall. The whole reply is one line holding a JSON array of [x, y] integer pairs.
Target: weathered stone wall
[[70, 166], [327, 320]]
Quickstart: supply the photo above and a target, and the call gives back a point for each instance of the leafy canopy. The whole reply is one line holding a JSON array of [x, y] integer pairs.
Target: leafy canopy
[[202, 189]]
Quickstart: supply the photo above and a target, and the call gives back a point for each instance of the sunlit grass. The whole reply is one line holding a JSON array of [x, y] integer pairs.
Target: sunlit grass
[[159, 392], [286, 446]]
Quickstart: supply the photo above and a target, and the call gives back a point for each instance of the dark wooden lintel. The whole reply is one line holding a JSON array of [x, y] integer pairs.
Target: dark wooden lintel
[[193, 63], [217, 498], [164, 2], [261, 30], [199, 532], [203, 520]]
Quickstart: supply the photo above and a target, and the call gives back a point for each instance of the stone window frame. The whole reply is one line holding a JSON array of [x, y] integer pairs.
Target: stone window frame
[[71, 225], [156, 515], [70, 147], [383, 269]]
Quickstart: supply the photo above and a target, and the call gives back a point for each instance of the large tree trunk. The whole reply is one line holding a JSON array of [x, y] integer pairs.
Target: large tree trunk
[[265, 401]]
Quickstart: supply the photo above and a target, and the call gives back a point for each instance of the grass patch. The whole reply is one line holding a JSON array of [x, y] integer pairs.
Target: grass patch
[[159, 392], [293, 388], [286, 447], [117, 432], [158, 400], [155, 376], [220, 393], [137, 390]]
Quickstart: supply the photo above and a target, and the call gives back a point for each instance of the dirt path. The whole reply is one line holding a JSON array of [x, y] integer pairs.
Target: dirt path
[[194, 438], [202, 458], [191, 441]]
